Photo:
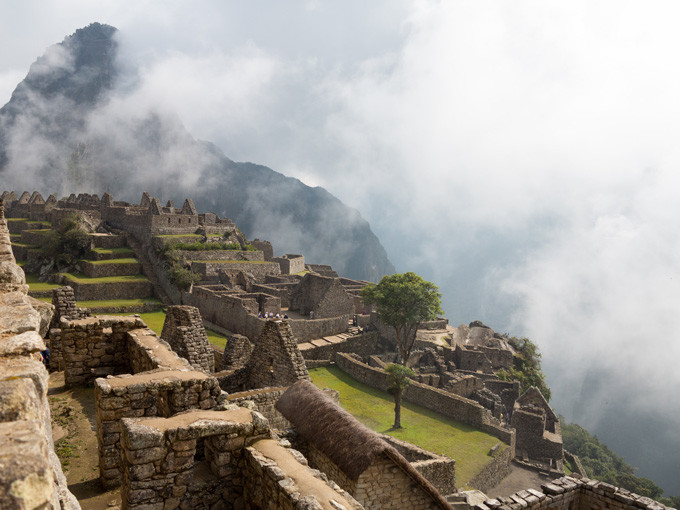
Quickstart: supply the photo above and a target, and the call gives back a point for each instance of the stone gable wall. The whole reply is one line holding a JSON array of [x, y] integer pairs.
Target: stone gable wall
[[383, 485], [183, 330], [276, 360]]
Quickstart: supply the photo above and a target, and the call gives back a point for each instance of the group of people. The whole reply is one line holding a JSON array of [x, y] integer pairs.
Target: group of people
[[271, 315]]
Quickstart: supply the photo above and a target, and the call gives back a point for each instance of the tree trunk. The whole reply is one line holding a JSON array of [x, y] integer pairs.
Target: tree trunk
[[397, 408]]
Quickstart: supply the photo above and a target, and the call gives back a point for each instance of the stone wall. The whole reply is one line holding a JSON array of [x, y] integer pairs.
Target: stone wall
[[569, 493], [154, 393], [86, 291], [321, 297], [211, 269], [455, 407], [278, 478], [218, 255], [305, 330], [264, 400], [439, 470], [363, 344], [236, 352], [495, 471], [30, 472], [192, 460], [290, 264], [383, 485], [183, 330], [96, 346], [532, 437], [276, 360], [100, 270]]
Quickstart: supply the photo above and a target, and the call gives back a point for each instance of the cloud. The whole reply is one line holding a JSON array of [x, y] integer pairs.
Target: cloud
[[521, 155]]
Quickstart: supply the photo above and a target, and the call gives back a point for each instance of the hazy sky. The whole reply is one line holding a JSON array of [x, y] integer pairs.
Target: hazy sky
[[523, 155]]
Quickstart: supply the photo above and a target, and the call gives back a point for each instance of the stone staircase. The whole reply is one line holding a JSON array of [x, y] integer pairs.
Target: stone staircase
[[328, 340], [148, 270]]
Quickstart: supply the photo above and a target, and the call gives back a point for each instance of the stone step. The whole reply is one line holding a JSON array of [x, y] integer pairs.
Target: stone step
[[100, 289], [112, 267]]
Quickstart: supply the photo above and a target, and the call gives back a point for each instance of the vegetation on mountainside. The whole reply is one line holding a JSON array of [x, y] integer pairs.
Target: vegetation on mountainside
[[603, 464], [422, 427], [403, 301], [527, 367]]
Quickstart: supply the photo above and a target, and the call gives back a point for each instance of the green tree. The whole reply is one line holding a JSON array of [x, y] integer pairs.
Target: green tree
[[398, 377], [64, 246], [403, 301]]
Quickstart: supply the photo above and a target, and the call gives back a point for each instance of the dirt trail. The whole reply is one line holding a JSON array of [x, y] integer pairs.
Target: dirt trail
[[75, 437]]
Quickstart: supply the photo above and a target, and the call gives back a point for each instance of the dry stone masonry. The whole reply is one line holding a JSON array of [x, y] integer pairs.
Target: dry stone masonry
[[184, 331], [30, 472]]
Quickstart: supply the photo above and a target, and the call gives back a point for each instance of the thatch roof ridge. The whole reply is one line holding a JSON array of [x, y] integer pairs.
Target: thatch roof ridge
[[341, 437]]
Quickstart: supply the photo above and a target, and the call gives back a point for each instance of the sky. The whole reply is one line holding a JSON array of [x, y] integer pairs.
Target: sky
[[521, 155]]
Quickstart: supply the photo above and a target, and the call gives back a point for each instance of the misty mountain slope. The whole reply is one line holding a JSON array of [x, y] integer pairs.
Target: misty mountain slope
[[77, 124]]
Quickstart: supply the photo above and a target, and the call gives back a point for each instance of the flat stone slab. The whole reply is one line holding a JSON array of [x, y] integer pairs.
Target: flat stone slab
[[305, 346], [335, 339], [319, 343]]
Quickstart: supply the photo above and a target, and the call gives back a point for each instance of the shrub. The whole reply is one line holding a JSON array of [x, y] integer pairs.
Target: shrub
[[181, 277]]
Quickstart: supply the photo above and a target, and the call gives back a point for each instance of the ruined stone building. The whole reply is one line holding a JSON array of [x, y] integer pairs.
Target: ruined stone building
[[361, 462]]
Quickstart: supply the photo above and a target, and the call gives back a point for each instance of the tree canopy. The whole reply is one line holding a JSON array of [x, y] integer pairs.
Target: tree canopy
[[403, 301]]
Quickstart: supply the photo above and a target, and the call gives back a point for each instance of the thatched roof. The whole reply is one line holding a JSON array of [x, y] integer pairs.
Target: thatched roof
[[341, 437]]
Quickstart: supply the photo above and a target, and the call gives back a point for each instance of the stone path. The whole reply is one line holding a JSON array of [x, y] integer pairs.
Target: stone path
[[519, 479]]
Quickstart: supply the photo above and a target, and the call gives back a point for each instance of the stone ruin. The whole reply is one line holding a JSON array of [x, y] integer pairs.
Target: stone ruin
[[172, 437], [184, 331], [30, 472]]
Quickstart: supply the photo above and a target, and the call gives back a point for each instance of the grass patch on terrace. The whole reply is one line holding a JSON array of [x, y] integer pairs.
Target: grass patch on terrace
[[235, 261], [422, 427], [45, 224], [38, 230], [177, 236], [16, 219], [114, 251], [110, 303], [114, 261], [86, 280], [155, 321], [37, 285], [24, 245]]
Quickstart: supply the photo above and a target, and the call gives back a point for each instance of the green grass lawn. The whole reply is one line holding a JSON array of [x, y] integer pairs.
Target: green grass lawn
[[427, 429], [35, 284], [119, 302], [117, 251], [114, 261], [79, 278], [41, 223], [235, 261], [177, 236], [16, 219], [155, 321]]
